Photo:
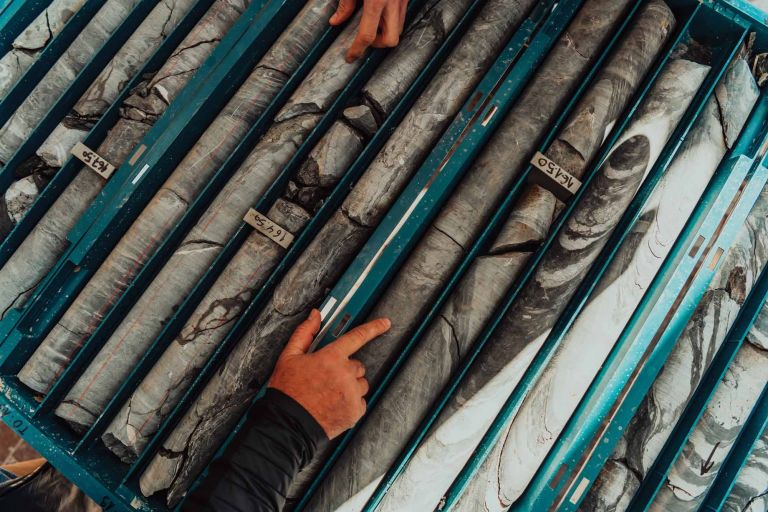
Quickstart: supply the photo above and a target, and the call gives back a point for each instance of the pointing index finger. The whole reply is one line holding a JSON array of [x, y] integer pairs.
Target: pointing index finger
[[358, 337]]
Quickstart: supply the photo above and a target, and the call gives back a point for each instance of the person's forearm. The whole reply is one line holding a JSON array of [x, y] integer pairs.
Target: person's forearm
[[266, 455]]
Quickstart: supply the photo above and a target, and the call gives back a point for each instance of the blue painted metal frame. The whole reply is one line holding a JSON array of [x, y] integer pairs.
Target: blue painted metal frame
[[729, 472], [97, 134], [622, 230], [86, 461]]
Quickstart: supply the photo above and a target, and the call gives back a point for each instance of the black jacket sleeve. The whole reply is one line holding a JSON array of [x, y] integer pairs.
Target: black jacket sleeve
[[277, 441]]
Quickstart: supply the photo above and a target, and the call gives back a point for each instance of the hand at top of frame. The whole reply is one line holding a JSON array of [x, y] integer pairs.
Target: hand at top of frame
[[327, 383], [380, 26]]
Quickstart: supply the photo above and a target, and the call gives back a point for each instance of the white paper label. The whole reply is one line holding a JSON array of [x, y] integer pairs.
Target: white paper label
[[556, 173], [579, 491], [94, 162], [268, 228]]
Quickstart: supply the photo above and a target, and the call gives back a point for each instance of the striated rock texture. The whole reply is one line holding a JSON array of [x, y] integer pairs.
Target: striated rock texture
[[549, 405], [699, 462], [171, 201], [750, 492], [33, 40], [47, 240], [42, 97], [54, 151], [522, 331], [245, 274], [391, 423], [195, 439]]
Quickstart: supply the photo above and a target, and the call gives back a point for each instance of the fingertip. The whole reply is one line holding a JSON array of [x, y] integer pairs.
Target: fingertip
[[385, 323]]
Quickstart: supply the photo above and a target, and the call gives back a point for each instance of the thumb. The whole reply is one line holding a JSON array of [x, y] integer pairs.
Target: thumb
[[302, 337]]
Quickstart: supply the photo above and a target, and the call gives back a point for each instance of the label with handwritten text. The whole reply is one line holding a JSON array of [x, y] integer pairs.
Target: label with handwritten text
[[93, 161], [556, 173], [268, 228]]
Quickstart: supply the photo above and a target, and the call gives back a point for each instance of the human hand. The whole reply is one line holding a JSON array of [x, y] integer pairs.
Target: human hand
[[327, 383], [380, 25]]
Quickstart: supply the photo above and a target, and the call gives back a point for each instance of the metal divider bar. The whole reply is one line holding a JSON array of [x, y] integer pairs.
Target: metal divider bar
[[298, 245], [542, 358], [167, 142], [525, 274], [50, 54], [150, 269], [586, 442], [737, 458], [97, 134]]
